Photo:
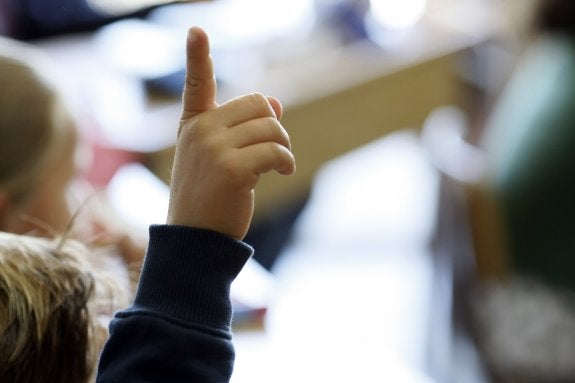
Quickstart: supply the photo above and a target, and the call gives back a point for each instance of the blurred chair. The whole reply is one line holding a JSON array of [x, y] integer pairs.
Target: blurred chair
[[459, 251], [518, 326], [469, 217]]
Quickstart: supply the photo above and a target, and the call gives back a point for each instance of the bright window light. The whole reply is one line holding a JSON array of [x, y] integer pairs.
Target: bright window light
[[234, 24], [394, 14]]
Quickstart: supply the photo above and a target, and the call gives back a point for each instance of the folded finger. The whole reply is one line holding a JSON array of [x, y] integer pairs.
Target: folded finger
[[243, 109], [265, 129], [267, 156]]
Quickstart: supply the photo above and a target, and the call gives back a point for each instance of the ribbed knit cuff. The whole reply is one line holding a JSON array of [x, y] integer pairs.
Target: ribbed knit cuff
[[187, 274]]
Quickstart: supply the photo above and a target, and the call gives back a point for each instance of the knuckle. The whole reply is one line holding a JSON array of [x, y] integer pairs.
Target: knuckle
[[277, 132], [276, 150], [271, 125], [258, 100], [194, 84], [280, 158]]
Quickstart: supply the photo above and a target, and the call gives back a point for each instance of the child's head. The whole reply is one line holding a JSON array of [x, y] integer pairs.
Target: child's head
[[37, 141], [53, 302]]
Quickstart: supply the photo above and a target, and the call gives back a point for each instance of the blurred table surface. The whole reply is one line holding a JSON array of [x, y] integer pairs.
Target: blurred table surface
[[335, 97], [339, 99]]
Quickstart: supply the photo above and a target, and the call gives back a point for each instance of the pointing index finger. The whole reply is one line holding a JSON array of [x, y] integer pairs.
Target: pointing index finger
[[200, 86]]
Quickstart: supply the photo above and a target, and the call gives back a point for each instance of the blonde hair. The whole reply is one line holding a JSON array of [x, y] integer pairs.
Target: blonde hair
[[29, 134], [52, 296]]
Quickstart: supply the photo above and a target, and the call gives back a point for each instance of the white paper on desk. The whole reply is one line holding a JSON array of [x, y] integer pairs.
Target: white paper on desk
[[141, 199]]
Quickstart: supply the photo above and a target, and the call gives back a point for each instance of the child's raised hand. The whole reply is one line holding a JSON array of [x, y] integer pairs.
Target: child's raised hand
[[222, 149]]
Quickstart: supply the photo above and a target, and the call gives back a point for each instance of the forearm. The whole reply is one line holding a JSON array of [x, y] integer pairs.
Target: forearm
[[178, 328]]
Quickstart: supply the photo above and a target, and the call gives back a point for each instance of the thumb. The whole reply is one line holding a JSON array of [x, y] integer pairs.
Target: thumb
[[200, 86]]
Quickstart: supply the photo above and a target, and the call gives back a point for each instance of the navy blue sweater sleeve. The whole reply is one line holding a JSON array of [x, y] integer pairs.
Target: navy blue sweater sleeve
[[178, 327]]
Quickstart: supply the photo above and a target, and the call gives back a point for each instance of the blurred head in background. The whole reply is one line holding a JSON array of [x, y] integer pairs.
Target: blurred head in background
[[37, 143]]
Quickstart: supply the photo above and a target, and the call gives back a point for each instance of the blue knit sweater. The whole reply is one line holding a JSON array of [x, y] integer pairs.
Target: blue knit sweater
[[178, 327]]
